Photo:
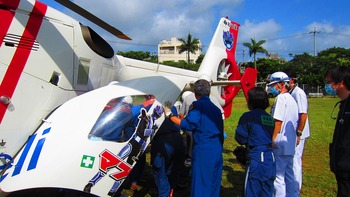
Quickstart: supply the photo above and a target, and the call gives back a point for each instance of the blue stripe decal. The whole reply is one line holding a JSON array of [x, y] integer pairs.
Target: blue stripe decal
[[24, 154], [3, 177], [46, 131], [36, 154]]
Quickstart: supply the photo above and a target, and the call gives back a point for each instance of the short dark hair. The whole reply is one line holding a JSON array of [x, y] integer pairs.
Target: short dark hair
[[201, 87], [339, 74], [290, 72], [257, 98]]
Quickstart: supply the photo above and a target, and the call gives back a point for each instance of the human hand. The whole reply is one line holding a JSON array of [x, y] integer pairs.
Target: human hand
[[298, 140], [273, 144], [167, 107]]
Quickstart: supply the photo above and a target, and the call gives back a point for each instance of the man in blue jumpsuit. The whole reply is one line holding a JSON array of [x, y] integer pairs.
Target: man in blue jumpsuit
[[205, 121], [255, 129]]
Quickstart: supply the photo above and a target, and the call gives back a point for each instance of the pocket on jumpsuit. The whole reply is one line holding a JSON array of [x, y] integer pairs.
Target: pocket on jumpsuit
[[262, 171]]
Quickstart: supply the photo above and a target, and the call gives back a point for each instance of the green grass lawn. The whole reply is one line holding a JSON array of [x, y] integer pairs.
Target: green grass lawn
[[317, 178]]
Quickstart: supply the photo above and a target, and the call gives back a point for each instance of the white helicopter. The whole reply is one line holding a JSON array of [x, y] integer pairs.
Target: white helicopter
[[66, 98]]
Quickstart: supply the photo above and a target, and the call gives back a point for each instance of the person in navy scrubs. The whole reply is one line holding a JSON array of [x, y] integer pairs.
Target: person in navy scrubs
[[167, 156], [255, 129]]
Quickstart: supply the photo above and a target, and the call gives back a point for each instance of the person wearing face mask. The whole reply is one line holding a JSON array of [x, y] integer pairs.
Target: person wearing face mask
[[285, 114], [303, 129], [338, 83]]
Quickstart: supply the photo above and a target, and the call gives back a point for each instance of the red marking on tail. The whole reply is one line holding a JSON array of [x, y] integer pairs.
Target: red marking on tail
[[231, 91], [248, 80]]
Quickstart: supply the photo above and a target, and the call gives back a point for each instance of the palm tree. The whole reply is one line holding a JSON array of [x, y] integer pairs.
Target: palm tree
[[255, 47], [189, 45]]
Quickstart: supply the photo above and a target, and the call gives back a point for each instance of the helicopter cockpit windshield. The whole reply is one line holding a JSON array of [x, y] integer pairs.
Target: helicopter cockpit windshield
[[119, 118]]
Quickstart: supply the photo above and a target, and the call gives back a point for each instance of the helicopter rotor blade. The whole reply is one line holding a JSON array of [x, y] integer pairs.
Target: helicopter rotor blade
[[81, 11]]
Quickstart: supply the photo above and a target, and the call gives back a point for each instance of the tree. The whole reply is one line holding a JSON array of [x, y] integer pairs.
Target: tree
[[200, 59], [189, 45], [266, 67], [139, 55], [255, 47]]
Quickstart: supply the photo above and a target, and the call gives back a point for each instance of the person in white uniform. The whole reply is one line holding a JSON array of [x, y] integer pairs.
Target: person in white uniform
[[285, 114], [303, 129], [187, 99]]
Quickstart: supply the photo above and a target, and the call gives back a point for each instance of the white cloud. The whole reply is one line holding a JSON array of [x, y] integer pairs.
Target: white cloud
[[259, 31], [324, 27], [148, 22]]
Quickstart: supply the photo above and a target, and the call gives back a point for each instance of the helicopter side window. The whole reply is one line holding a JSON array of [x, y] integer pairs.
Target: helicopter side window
[[119, 118], [55, 78]]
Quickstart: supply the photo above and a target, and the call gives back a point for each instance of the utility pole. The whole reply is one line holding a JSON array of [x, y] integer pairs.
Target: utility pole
[[243, 55], [314, 32]]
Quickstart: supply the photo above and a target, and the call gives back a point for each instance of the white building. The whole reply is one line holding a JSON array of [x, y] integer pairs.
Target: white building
[[169, 51]]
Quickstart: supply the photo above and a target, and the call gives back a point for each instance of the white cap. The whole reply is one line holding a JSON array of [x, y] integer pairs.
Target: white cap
[[185, 94]]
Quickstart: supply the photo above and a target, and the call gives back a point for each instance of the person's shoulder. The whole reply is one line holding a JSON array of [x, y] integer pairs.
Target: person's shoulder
[[197, 104], [256, 112], [300, 91], [247, 114], [279, 97], [265, 114], [283, 98], [190, 98], [290, 99]]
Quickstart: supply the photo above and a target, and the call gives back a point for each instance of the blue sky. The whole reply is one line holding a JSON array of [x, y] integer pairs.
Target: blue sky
[[285, 25]]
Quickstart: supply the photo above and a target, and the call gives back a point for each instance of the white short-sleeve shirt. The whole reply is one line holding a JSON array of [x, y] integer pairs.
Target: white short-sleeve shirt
[[285, 109], [300, 97]]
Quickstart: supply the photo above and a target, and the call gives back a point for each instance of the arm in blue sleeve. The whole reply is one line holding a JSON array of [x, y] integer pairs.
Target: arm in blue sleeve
[[242, 134], [192, 120]]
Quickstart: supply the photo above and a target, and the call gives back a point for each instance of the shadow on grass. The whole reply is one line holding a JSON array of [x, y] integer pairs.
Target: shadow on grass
[[232, 184], [233, 179]]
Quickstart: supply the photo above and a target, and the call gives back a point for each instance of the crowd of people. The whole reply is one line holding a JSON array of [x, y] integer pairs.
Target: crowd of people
[[273, 167], [272, 138], [190, 140]]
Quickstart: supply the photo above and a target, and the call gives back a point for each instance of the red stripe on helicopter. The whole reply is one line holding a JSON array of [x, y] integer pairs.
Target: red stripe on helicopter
[[21, 55], [6, 17]]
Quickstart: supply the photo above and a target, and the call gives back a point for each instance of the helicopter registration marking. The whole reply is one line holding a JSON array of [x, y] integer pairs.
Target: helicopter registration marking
[[108, 160]]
